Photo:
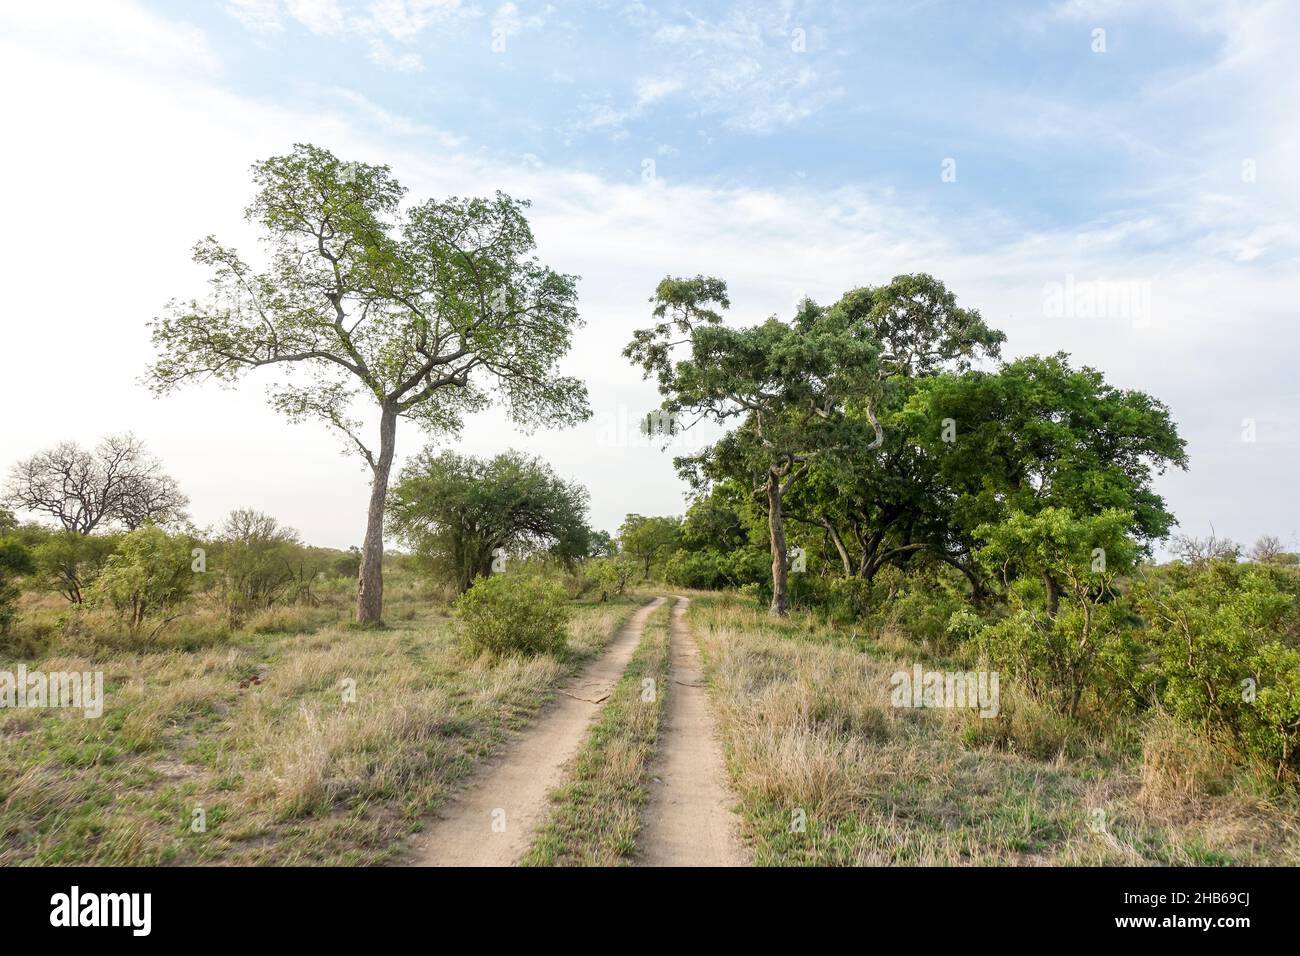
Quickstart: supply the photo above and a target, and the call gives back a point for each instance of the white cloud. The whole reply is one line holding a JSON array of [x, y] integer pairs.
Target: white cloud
[[384, 57], [319, 16], [652, 89], [387, 27], [405, 20], [387, 122], [122, 30], [743, 66], [257, 16]]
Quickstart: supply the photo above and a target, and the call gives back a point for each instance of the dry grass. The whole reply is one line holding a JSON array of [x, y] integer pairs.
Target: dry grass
[[810, 735], [257, 734]]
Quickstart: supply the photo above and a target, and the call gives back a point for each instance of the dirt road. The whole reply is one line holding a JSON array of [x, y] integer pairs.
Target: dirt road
[[493, 822], [689, 821]]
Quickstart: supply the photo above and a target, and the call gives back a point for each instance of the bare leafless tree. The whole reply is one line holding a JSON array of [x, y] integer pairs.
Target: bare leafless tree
[[1192, 550], [118, 483], [1268, 549]]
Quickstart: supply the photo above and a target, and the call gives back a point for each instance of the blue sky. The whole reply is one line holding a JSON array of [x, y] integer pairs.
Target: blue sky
[[1021, 94], [797, 148]]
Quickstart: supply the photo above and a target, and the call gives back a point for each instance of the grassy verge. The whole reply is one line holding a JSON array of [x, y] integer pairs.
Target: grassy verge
[[828, 773], [596, 815], [247, 752]]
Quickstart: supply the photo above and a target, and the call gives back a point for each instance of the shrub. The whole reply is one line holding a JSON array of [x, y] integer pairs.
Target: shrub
[[612, 575], [747, 565], [1221, 661], [15, 561], [848, 600], [1060, 658], [700, 570], [149, 573], [1067, 635], [513, 614], [577, 584], [68, 561], [1272, 727], [922, 610], [257, 560]]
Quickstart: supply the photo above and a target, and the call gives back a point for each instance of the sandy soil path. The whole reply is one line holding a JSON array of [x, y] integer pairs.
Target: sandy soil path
[[688, 819], [493, 821]]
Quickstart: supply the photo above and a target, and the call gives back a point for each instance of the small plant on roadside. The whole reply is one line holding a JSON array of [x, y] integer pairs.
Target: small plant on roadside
[[514, 614], [611, 574]]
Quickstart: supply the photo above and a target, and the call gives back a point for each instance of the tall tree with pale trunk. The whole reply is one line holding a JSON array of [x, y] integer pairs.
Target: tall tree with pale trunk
[[426, 312]]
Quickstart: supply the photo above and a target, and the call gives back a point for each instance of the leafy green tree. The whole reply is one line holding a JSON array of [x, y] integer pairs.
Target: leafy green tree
[[695, 569], [799, 391], [612, 573], [15, 562], [648, 540], [1037, 434], [1056, 649], [727, 518], [69, 561], [601, 544], [575, 542], [459, 512], [150, 573], [428, 312], [724, 541], [348, 563], [878, 510]]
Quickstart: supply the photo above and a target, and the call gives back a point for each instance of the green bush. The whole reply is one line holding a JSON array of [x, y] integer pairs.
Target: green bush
[[149, 573], [15, 561], [848, 600], [68, 561], [1068, 634], [1219, 633], [701, 570], [514, 614], [611, 574], [1272, 728], [1060, 659], [577, 584], [918, 602]]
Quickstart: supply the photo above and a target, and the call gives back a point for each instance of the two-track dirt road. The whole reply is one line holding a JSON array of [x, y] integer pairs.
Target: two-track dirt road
[[688, 821], [493, 821]]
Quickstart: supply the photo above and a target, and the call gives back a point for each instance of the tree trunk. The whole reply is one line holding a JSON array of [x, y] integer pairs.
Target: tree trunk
[[780, 565], [1053, 594], [979, 593], [834, 534], [370, 581]]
